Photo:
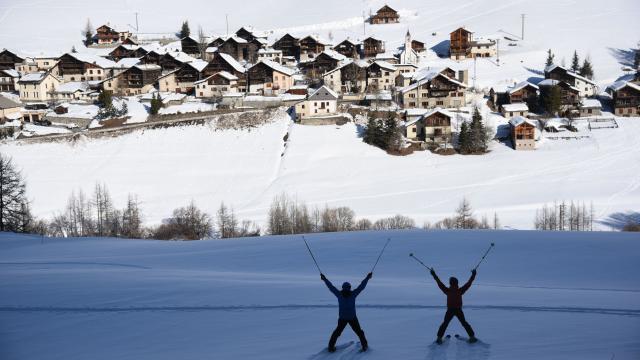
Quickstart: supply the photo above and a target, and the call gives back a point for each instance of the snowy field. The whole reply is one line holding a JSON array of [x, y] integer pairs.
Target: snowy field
[[331, 165], [539, 295]]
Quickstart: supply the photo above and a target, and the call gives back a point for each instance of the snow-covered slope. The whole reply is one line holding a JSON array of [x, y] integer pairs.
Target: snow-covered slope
[[331, 165], [539, 295]]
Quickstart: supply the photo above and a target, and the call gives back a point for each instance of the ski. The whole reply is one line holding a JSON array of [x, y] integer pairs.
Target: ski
[[443, 340], [466, 339], [343, 346]]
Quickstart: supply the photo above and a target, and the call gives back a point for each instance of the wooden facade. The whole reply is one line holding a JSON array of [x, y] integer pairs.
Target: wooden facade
[[626, 100], [311, 45], [385, 15], [139, 76], [219, 63], [348, 48], [460, 43], [241, 49], [166, 61], [107, 35], [372, 47], [523, 135], [289, 45], [417, 46], [317, 67], [190, 46], [8, 80], [127, 51], [524, 94], [8, 60], [353, 78]]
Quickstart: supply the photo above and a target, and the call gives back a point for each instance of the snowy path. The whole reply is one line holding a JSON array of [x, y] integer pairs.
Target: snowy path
[[539, 295]]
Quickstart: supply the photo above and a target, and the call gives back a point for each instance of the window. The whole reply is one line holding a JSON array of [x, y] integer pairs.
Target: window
[[439, 102], [90, 71]]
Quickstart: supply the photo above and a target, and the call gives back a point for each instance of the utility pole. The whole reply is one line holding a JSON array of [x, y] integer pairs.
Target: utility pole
[[364, 25], [227, 19], [137, 28], [475, 71], [498, 51], [522, 35]]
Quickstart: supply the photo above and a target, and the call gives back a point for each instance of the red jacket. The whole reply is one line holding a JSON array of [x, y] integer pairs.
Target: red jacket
[[454, 295]]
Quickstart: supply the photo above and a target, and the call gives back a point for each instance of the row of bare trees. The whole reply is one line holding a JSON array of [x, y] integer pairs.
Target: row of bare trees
[[565, 217], [290, 216], [465, 219]]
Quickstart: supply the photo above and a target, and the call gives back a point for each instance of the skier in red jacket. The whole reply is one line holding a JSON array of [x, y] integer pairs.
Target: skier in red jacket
[[454, 304]]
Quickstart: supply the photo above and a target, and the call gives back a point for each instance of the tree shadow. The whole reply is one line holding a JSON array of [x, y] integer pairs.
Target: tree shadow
[[442, 48], [620, 219], [535, 79], [360, 130], [534, 71], [625, 57]]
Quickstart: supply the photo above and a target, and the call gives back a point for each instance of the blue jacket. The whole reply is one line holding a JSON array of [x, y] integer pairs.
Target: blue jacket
[[347, 304]]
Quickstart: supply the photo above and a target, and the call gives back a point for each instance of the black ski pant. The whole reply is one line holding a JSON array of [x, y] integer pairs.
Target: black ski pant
[[457, 312], [355, 326]]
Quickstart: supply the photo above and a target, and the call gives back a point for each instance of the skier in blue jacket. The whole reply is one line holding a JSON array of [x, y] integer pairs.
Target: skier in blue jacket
[[347, 313]]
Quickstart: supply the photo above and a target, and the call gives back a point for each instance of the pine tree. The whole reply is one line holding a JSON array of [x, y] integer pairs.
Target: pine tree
[[73, 49], [575, 62], [636, 59], [553, 100], [105, 99], [477, 133], [156, 104], [184, 30], [463, 138], [372, 132], [586, 70], [88, 33], [392, 136], [550, 58]]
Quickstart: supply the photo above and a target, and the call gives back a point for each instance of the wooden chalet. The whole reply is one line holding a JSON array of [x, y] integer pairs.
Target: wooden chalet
[[435, 89], [105, 34], [523, 133], [225, 62], [289, 45], [381, 75], [180, 80], [249, 35], [348, 48], [190, 46], [434, 127], [570, 96], [585, 86], [321, 64], [310, 46], [268, 77], [350, 78], [127, 51], [385, 15], [9, 60], [460, 43], [240, 49], [523, 92], [166, 61], [136, 80], [626, 98], [372, 47], [216, 85], [84, 67], [417, 46]]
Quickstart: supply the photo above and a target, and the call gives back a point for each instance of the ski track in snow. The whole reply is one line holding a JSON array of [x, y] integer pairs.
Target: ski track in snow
[[578, 310]]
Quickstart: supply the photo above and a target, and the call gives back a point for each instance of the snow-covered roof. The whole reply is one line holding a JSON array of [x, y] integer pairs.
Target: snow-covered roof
[[569, 72], [6, 103], [621, 84], [515, 107], [165, 97], [278, 67], [72, 87], [385, 65], [11, 72], [429, 113], [211, 49], [181, 56], [360, 63], [331, 92], [348, 41], [269, 51], [199, 65], [521, 85], [93, 59], [385, 56], [126, 63], [224, 74], [590, 104], [426, 77], [519, 120], [146, 67], [382, 96], [335, 55], [415, 112], [33, 77], [233, 62]]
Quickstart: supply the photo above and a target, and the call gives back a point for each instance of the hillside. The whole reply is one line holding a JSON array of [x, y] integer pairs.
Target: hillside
[[539, 295], [331, 165]]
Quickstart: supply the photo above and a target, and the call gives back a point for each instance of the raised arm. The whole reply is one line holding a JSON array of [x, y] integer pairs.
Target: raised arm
[[466, 286], [329, 285], [362, 285], [437, 279]]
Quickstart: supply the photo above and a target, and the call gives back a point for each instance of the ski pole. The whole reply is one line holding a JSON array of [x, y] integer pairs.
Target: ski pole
[[310, 253], [484, 256], [379, 256], [418, 260]]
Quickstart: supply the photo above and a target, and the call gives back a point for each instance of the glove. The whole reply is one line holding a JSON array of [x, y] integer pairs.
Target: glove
[[322, 277], [433, 272], [473, 271], [369, 275]]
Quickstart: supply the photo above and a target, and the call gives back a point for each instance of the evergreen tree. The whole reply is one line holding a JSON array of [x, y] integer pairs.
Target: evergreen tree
[[477, 133], [575, 62], [88, 33], [636, 59], [464, 139], [73, 49], [392, 136], [184, 30], [105, 99], [371, 134], [586, 70], [552, 100], [550, 58], [156, 104]]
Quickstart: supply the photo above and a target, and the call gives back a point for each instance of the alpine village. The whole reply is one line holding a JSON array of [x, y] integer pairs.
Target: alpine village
[[402, 105]]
